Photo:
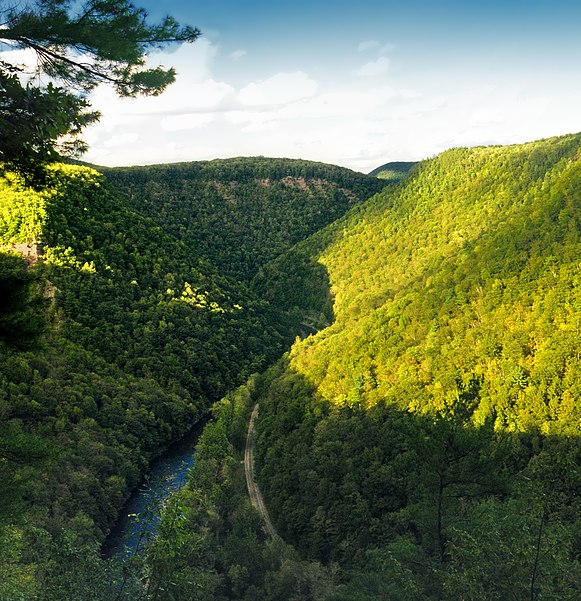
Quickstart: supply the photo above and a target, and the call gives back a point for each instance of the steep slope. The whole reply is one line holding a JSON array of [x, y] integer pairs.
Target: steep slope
[[426, 445], [442, 404], [447, 261], [427, 441], [141, 336], [241, 213], [134, 320]]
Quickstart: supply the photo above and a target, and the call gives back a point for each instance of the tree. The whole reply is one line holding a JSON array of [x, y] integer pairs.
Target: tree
[[22, 302], [38, 125], [81, 45]]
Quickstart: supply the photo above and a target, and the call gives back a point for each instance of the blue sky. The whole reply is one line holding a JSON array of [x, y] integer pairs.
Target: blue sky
[[351, 83]]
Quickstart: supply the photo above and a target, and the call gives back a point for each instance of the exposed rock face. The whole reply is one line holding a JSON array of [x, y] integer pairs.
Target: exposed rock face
[[32, 251]]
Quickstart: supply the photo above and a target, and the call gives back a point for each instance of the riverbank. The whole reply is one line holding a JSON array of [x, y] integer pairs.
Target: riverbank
[[139, 517]]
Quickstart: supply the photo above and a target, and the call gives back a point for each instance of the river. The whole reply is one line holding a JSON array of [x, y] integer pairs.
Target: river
[[139, 517]]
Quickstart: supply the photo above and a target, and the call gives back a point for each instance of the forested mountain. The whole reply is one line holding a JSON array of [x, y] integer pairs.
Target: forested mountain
[[122, 335], [426, 445], [393, 171], [241, 213], [431, 433]]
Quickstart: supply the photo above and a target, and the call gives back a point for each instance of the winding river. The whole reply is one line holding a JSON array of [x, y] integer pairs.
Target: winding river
[[139, 517]]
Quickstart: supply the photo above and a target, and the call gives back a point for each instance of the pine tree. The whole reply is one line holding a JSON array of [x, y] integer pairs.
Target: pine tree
[[79, 45]]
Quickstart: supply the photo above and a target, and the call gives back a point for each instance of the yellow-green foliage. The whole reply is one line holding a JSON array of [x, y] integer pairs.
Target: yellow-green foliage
[[22, 211], [429, 439], [462, 282]]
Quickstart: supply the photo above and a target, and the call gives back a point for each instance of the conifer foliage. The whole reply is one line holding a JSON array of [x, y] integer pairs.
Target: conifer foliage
[[79, 45]]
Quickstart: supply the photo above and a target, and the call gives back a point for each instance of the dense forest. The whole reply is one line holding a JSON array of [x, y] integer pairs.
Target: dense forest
[[420, 440], [426, 444], [117, 339], [428, 440], [242, 213]]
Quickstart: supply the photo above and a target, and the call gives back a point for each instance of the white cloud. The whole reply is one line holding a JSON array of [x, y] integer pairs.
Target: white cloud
[[368, 45], [387, 48], [345, 103], [25, 58], [194, 91], [120, 140], [187, 121], [374, 68], [358, 123], [238, 54], [253, 120], [281, 88]]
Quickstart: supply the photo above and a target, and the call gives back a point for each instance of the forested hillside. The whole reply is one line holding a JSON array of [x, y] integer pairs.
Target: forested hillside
[[241, 213], [118, 339], [431, 434], [393, 171], [427, 444]]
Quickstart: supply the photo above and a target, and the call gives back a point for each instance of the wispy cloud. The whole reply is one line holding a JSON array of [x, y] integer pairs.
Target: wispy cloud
[[386, 48], [238, 54], [281, 88], [359, 121], [374, 68], [378, 47], [368, 45], [187, 121]]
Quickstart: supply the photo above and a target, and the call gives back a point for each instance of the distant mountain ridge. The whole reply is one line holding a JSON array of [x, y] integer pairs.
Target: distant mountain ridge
[[393, 171]]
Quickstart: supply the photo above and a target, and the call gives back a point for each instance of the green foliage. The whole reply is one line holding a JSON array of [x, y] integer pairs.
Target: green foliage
[[242, 213], [22, 211], [465, 290], [212, 544], [394, 171], [22, 303], [416, 448], [95, 41], [421, 439], [81, 44], [33, 123], [145, 334]]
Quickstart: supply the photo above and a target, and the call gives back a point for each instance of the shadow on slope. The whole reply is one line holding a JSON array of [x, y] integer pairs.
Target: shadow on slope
[[412, 506]]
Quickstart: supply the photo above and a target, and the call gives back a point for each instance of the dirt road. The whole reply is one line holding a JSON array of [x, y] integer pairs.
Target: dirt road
[[253, 490]]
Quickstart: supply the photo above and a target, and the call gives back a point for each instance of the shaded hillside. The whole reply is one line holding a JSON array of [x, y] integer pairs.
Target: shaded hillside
[[241, 213], [393, 171], [141, 335]]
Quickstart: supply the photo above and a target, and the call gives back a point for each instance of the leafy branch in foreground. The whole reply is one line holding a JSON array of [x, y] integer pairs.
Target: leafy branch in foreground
[[81, 45]]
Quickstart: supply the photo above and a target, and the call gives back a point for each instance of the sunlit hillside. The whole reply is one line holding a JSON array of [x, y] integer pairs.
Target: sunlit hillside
[[426, 444]]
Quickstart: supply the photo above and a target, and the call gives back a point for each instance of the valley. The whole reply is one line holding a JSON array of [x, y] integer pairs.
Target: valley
[[412, 343]]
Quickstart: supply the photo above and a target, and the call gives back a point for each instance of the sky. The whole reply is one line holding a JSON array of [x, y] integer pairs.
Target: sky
[[355, 84]]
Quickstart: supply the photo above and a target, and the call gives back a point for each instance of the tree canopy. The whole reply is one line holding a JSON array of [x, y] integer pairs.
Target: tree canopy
[[78, 45]]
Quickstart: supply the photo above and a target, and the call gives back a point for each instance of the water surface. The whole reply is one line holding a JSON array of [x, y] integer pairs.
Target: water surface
[[139, 517]]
